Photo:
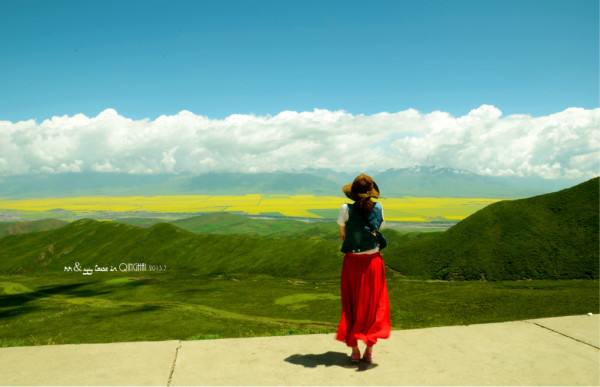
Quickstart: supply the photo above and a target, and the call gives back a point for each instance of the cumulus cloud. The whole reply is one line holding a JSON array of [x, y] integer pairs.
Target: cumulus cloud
[[565, 144]]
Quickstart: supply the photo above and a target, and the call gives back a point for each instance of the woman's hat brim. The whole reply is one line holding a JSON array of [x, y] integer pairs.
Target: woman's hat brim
[[374, 193]]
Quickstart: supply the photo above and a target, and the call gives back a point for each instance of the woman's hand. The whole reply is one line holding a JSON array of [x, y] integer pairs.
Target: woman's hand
[[342, 233]]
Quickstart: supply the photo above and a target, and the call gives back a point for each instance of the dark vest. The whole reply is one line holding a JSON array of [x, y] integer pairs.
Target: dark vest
[[358, 233]]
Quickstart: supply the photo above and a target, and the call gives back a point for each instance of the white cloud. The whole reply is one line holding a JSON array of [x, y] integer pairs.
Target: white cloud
[[72, 167], [565, 144]]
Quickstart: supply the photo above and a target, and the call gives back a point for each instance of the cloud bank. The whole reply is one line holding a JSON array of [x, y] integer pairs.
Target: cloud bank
[[565, 144]]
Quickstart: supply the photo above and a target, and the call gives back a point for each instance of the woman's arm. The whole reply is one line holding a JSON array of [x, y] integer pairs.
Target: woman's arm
[[342, 219], [343, 233]]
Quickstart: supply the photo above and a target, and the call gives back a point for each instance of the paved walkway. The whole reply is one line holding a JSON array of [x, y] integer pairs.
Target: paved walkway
[[555, 351]]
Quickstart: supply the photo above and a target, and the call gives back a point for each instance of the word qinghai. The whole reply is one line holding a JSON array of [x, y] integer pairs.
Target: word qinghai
[[123, 267]]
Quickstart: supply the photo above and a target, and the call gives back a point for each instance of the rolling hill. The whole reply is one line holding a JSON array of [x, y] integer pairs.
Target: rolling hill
[[11, 228], [221, 243], [91, 243], [226, 223], [551, 236]]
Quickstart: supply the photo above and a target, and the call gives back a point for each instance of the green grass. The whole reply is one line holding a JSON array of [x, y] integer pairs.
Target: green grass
[[60, 309], [227, 223], [281, 277], [419, 304], [551, 236]]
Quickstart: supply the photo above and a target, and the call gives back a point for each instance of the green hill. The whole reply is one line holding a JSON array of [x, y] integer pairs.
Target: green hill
[[91, 243], [220, 243], [550, 236], [11, 228], [140, 222], [226, 223]]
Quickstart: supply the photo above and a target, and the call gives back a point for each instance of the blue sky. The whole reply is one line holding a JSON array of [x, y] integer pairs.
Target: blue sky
[[217, 58], [494, 87]]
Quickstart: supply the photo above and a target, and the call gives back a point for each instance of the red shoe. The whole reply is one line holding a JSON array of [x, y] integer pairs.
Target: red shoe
[[355, 358], [368, 358]]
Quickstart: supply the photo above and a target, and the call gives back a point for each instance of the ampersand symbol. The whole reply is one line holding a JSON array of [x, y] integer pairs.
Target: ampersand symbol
[[77, 267]]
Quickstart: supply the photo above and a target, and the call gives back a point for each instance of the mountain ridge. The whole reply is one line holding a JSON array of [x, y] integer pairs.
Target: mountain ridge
[[420, 181]]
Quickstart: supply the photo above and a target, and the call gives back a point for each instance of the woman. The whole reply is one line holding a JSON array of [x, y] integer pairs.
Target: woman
[[365, 305]]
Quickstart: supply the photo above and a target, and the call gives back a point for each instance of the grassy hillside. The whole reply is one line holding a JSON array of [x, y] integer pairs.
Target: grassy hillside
[[552, 236], [140, 222], [61, 309], [91, 243], [11, 228], [226, 223], [226, 244]]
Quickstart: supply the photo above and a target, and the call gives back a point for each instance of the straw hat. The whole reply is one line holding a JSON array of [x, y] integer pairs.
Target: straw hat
[[362, 187]]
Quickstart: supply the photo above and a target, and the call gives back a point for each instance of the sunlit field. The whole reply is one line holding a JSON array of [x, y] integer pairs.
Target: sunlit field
[[406, 209]]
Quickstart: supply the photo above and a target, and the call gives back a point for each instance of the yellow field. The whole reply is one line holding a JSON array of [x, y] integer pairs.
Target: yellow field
[[395, 209]]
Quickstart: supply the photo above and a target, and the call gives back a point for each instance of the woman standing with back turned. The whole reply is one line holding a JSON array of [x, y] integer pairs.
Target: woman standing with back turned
[[365, 304]]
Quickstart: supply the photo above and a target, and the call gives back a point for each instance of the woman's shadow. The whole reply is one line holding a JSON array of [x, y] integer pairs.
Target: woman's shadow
[[329, 359]]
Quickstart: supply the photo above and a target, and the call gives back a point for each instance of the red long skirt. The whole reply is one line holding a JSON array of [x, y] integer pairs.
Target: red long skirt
[[365, 303]]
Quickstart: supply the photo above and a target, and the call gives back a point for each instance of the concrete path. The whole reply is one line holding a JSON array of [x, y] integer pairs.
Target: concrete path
[[555, 351]]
